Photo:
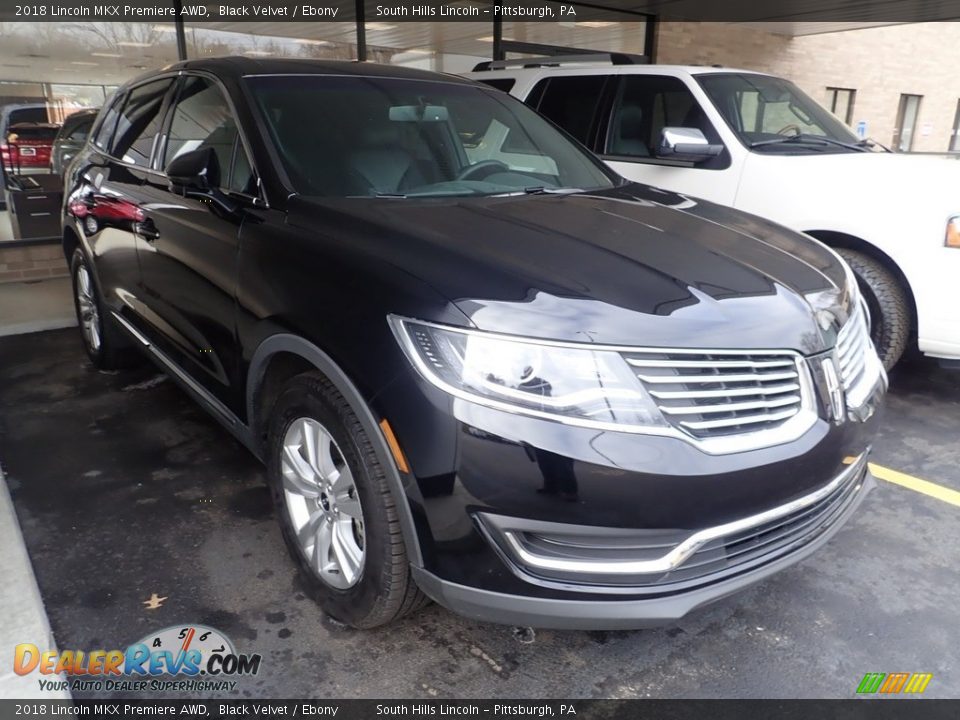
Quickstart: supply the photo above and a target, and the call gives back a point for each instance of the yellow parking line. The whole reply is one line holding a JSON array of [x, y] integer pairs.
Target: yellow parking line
[[921, 486]]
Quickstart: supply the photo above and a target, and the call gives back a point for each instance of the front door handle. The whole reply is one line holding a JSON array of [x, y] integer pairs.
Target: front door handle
[[147, 230]]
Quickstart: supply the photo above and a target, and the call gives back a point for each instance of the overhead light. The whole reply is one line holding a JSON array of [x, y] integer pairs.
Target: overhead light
[[258, 53], [594, 23], [130, 43], [82, 62], [379, 26], [486, 38], [419, 51], [165, 28], [113, 55], [308, 41]]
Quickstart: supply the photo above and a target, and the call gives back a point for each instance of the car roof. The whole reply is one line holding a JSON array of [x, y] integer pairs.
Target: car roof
[[606, 68], [236, 67]]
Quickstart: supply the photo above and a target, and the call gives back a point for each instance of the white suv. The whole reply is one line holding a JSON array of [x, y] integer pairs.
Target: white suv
[[759, 144]]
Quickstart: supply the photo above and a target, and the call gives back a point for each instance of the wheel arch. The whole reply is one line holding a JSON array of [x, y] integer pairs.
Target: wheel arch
[[835, 239], [284, 355], [70, 242]]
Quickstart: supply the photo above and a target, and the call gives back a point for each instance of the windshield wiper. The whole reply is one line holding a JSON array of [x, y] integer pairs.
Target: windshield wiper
[[871, 143], [544, 190], [538, 190], [806, 139]]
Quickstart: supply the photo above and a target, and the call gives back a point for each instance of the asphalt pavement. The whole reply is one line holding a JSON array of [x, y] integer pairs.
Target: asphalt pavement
[[126, 490]]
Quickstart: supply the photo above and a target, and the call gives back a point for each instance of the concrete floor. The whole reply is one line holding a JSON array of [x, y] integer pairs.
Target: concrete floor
[[124, 488]]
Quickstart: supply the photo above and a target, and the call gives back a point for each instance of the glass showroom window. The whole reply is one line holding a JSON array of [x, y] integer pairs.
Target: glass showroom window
[[313, 41]]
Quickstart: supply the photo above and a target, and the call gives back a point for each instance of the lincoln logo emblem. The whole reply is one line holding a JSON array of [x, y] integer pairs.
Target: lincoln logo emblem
[[838, 402]]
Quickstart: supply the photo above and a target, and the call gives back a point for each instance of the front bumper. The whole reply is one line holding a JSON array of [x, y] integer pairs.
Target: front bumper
[[478, 472], [611, 614]]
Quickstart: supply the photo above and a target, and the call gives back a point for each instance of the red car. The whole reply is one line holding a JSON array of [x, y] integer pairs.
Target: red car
[[28, 145]]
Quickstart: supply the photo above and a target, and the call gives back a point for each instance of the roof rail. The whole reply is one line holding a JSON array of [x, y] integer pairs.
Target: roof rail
[[557, 60]]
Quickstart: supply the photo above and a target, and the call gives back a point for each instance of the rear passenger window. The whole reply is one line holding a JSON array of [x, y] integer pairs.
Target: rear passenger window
[[139, 123], [571, 102], [505, 84], [105, 131]]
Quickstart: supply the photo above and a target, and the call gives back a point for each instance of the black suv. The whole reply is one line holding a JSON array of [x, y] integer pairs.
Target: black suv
[[478, 365]]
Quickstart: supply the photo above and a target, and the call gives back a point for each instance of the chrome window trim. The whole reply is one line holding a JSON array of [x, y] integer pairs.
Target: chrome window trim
[[679, 554], [793, 429]]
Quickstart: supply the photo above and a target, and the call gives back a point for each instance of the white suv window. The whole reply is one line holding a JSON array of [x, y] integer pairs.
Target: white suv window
[[644, 105]]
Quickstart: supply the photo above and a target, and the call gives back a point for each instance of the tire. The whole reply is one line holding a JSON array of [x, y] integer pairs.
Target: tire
[[102, 340], [890, 314], [353, 503]]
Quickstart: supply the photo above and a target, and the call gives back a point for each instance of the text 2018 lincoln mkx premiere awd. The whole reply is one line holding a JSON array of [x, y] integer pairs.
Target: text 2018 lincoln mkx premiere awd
[[479, 366]]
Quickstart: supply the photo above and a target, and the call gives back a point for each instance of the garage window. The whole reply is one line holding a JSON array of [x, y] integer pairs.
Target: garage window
[[955, 135], [841, 102], [906, 122]]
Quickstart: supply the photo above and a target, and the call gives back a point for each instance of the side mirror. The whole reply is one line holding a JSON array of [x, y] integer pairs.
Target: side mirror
[[686, 144], [197, 170]]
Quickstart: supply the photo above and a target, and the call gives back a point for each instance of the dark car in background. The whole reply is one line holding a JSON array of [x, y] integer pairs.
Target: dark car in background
[[508, 379], [71, 138]]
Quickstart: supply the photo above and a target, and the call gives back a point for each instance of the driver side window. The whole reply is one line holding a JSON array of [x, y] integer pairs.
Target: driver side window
[[644, 105], [202, 119]]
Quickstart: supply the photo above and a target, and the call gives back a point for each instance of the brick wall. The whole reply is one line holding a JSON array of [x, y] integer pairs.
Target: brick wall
[[879, 63], [31, 263]]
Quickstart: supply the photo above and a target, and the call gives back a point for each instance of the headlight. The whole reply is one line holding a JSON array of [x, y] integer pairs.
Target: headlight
[[573, 384], [952, 238]]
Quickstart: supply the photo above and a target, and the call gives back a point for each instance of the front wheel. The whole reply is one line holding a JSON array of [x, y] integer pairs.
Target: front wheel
[[890, 316], [337, 513]]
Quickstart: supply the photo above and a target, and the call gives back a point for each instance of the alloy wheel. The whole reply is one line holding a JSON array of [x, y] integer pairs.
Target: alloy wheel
[[87, 306], [323, 503]]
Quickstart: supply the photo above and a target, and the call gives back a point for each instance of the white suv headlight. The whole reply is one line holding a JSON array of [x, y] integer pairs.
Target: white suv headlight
[[573, 384]]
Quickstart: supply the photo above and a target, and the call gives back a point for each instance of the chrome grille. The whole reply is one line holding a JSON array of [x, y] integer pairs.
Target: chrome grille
[[853, 344], [717, 393]]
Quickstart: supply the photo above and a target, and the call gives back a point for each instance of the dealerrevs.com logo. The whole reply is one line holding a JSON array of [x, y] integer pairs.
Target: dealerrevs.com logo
[[197, 657]]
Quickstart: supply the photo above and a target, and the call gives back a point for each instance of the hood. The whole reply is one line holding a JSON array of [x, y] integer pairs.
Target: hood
[[632, 266]]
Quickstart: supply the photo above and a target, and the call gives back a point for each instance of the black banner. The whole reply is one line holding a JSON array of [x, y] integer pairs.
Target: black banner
[[874, 709], [193, 11]]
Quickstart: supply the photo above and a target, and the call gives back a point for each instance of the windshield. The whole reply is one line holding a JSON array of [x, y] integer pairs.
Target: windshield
[[377, 137], [771, 114]]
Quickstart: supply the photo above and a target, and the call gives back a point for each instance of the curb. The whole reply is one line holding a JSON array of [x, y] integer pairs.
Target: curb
[[21, 607]]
